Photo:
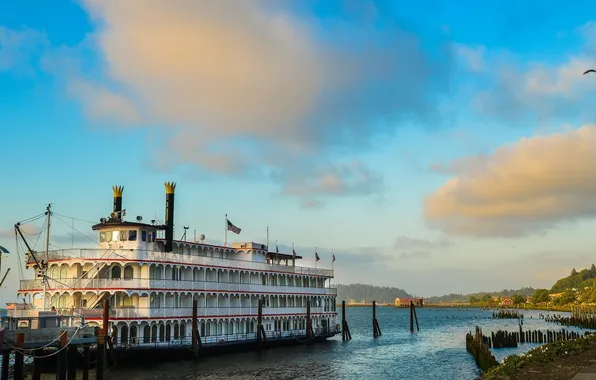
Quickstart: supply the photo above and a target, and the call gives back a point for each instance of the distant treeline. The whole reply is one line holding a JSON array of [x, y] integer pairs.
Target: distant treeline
[[369, 293], [526, 292]]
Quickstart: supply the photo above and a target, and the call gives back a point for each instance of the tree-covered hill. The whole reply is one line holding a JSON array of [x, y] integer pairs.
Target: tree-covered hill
[[576, 280], [526, 292], [369, 293]]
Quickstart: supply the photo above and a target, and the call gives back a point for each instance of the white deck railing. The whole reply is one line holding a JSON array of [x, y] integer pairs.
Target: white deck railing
[[202, 312], [181, 259], [139, 284]]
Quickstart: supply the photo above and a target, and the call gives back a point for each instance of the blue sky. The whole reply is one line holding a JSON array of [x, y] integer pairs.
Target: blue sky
[[438, 146]]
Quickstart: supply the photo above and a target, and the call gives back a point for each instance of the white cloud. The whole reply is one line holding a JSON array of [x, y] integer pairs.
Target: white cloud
[[239, 87], [522, 188]]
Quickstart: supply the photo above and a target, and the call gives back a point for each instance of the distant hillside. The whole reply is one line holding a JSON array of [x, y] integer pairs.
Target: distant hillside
[[369, 293], [526, 292], [581, 280]]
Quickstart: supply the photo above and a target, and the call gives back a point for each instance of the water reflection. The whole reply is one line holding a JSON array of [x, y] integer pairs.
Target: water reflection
[[437, 351]]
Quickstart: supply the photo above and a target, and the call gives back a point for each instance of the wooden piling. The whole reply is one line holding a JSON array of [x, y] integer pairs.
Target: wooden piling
[[86, 360], [36, 373], [5, 359], [18, 358], [412, 317], [345, 329], [195, 329], [62, 356], [72, 364], [375, 323], [101, 347]]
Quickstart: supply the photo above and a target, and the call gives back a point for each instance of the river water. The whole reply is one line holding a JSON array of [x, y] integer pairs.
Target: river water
[[438, 351]]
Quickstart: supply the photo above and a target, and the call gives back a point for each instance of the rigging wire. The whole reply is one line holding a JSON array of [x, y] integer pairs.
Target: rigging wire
[[32, 219], [21, 350], [77, 219]]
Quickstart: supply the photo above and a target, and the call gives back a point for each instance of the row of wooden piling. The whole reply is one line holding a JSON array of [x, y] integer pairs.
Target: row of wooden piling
[[581, 316], [507, 314], [506, 339], [478, 347]]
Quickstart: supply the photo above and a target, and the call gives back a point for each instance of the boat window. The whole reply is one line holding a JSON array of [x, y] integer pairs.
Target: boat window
[[128, 272], [108, 235], [102, 236], [115, 235], [116, 272], [123, 235], [132, 235], [144, 235]]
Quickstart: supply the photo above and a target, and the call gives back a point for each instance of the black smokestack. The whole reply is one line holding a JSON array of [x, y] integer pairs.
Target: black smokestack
[[170, 187], [118, 200]]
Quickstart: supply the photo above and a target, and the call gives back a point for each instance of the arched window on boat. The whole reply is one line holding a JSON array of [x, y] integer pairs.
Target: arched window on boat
[[154, 333], [176, 331], [124, 335], [63, 272], [116, 272], [55, 272], [62, 302], [146, 334], [54, 301], [127, 301], [152, 272], [162, 333], [128, 272]]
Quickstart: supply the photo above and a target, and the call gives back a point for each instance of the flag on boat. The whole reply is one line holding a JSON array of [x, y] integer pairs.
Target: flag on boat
[[333, 258], [233, 228], [3, 250], [293, 253], [276, 249], [317, 258]]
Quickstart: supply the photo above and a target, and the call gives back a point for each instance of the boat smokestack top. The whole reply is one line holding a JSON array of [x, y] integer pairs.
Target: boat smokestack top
[[118, 201], [170, 188]]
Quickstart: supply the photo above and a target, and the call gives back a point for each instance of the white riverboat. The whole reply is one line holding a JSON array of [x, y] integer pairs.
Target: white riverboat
[[151, 281]]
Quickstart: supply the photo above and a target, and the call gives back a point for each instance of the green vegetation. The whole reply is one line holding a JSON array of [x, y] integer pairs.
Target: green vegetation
[[540, 356], [583, 279], [485, 297], [369, 293]]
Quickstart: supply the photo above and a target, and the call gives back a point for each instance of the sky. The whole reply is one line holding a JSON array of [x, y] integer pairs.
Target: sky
[[435, 146]]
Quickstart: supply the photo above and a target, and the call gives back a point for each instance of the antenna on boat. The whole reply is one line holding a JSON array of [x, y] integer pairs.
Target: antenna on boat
[[43, 268]]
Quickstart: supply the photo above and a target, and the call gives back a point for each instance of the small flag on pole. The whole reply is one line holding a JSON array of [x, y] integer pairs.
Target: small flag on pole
[[276, 248], [317, 256], [3, 250], [333, 258], [233, 228], [293, 253]]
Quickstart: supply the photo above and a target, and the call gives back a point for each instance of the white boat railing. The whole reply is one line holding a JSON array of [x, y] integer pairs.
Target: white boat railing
[[139, 284], [205, 312], [133, 255]]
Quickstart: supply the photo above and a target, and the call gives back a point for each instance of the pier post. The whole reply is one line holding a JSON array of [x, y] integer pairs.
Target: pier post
[[5, 359], [101, 347], [86, 360], [345, 329], [62, 356], [195, 329], [36, 374], [18, 358], [72, 362], [411, 316], [376, 328]]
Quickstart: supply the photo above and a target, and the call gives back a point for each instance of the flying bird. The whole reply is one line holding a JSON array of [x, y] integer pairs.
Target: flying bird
[[590, 71]]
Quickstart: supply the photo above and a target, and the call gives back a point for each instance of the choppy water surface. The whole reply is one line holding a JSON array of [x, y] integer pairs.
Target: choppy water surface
[[438, 351]]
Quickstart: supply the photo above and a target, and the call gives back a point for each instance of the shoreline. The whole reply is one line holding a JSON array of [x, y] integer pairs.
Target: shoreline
[[531, 307]]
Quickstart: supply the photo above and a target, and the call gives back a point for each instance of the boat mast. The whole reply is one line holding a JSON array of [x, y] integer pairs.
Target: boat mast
[[44, 265]]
